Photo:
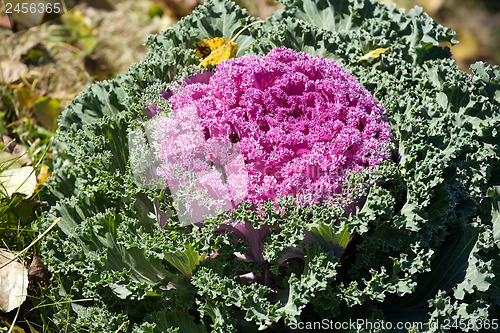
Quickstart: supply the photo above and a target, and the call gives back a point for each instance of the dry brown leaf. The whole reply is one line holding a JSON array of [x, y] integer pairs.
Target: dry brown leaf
[[13, 282], [206, 46], [16, 178], [44, 174], [221, 49], [217, 49], [374, 54], [11, 146], [37, 272], [12, 71]]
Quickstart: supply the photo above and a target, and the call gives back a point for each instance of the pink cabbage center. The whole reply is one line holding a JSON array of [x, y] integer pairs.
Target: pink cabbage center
[[301, 122]]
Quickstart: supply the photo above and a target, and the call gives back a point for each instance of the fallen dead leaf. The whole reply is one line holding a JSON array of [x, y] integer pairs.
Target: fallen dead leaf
[[13, 282], [374, 54], [24, 96], [22, 180], [15, 149], [220, 49], [20, 211], [217, 49], [25, 20], [12, 71], [16, 178], [44, 174], [37, 272], [46, 111]]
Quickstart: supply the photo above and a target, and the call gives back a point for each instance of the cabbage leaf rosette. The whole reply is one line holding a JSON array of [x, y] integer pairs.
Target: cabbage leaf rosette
[[299, 186], [286, 124]]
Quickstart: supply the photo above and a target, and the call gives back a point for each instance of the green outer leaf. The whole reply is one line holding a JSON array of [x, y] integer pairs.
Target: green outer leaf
[[303, 37], [185, 261], [319, 271], [494, 194], [367, 25], [167, 321], [98, 100], [327, 14], [101, 231], [335, 242]]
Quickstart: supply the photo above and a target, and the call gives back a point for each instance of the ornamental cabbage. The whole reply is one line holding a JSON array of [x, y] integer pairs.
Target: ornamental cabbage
[[302, 125], [413, 235]]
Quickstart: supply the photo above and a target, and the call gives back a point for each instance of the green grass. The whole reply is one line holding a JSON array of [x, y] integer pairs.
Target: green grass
[[18, 212]]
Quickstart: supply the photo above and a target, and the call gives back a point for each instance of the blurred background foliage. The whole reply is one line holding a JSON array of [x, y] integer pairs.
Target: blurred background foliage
[[476, 22], [42, 69]]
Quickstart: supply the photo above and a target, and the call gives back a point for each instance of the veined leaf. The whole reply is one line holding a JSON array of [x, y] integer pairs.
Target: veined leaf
[[335, 242], [221, 53], [218, 49], [331, 15], [14, 282], [185, 261], [208, 45], [16, 178]]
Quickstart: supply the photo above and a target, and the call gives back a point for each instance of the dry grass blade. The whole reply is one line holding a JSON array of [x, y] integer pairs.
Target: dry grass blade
[[32, 243], [121, 326]]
